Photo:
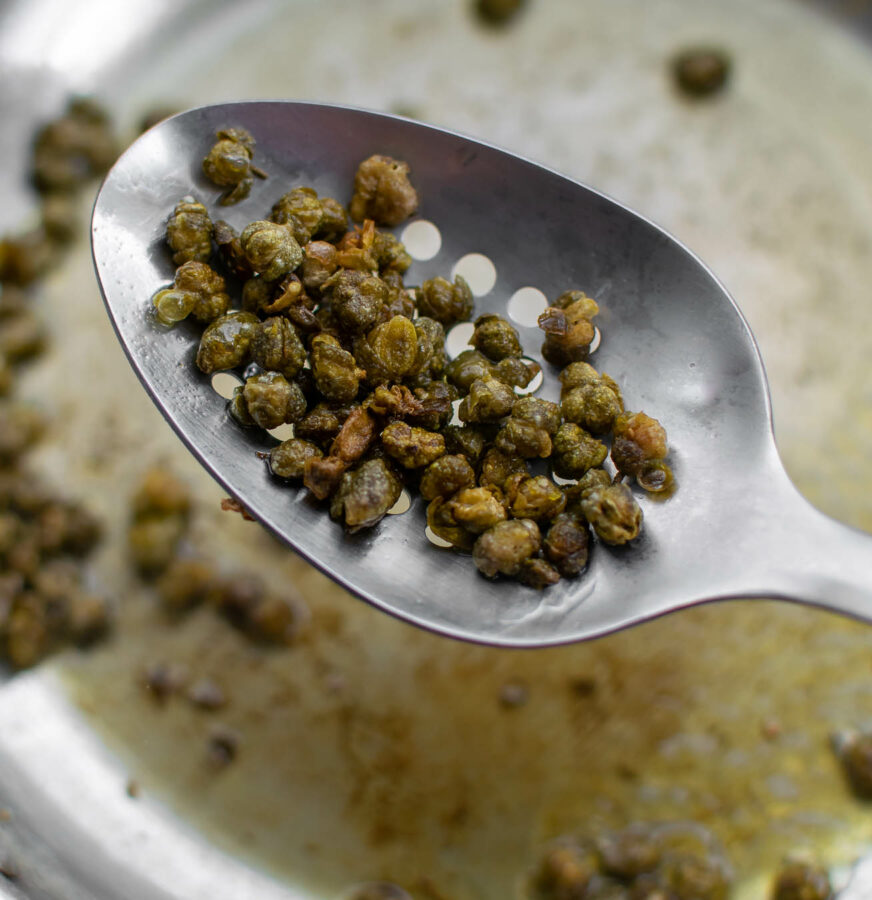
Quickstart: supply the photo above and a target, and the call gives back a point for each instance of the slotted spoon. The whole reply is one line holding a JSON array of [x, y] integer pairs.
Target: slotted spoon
[[672, 338]]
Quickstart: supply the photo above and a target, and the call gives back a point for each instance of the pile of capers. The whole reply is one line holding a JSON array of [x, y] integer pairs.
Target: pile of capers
[[310, 303]]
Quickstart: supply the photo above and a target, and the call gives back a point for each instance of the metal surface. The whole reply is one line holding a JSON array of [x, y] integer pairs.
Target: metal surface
[[734, 528]]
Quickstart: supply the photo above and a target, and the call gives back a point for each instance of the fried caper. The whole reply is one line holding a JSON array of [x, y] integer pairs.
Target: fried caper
[[536, 498], [228, 164], [503, 548], [593, 405], [576, 451], [446, 476], [189, 232], [445, 302], [276, 346], [197, 288], [335, 371], [226, 342], [382, 191], [411, 446], [395, 347], [488, 400], [270, 249], [567, 544], [476, 509], [639, 441], [300, 210], [568, 328], [288, 459], [356, 297], [271, 400], [366, 494], [613, 513], [495, 337]]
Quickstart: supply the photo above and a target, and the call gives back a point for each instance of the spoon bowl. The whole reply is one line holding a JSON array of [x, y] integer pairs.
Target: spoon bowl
[[671, 336]]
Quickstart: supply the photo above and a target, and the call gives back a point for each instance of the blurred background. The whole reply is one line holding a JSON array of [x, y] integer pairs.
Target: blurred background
[[181, 757]]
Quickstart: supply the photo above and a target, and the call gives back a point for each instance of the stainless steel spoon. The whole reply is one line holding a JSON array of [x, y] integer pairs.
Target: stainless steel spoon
[[672, 337]]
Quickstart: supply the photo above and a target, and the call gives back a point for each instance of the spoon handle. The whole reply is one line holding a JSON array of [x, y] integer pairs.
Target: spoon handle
[[815, 559]]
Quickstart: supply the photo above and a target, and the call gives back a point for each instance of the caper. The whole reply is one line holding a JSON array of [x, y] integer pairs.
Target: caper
[[382, 191], [228, 164]]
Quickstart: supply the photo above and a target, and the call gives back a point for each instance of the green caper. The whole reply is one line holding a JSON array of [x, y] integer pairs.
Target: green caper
[[189, 232], [366, 494], [613, 513], [503, 548], [488, 400], [495, 337], [335, 371], [226, 342], [576, 451], [382, 191], [412, 447], [446, 476], [300, 210], [270, 249], [288, 459], [271, 400], [446, 302], [228, 164], [536, 498], [276, 346]]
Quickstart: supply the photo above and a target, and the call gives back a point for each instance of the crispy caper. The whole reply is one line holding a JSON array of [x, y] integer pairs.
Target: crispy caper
[[270, 249], [567, 544], [276, 346], [288, 459], [446, 476], [467, 367], [271, 400], [366, 494], [488, 400], [468, 440], [497, 468], [613, 513], [446, 302], [319, 263], [226, 342], [300, 210], [189, 232], [382, 191], [576, 451], [356, 297], [207, 286], [495, 337], [503, 548], [334, 220], [537, 573], [228, 164], [593, 406], [336, 374], [476, 509], [395, 347], [569, 330], [536, 498], [638, 439], [411, 446]]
